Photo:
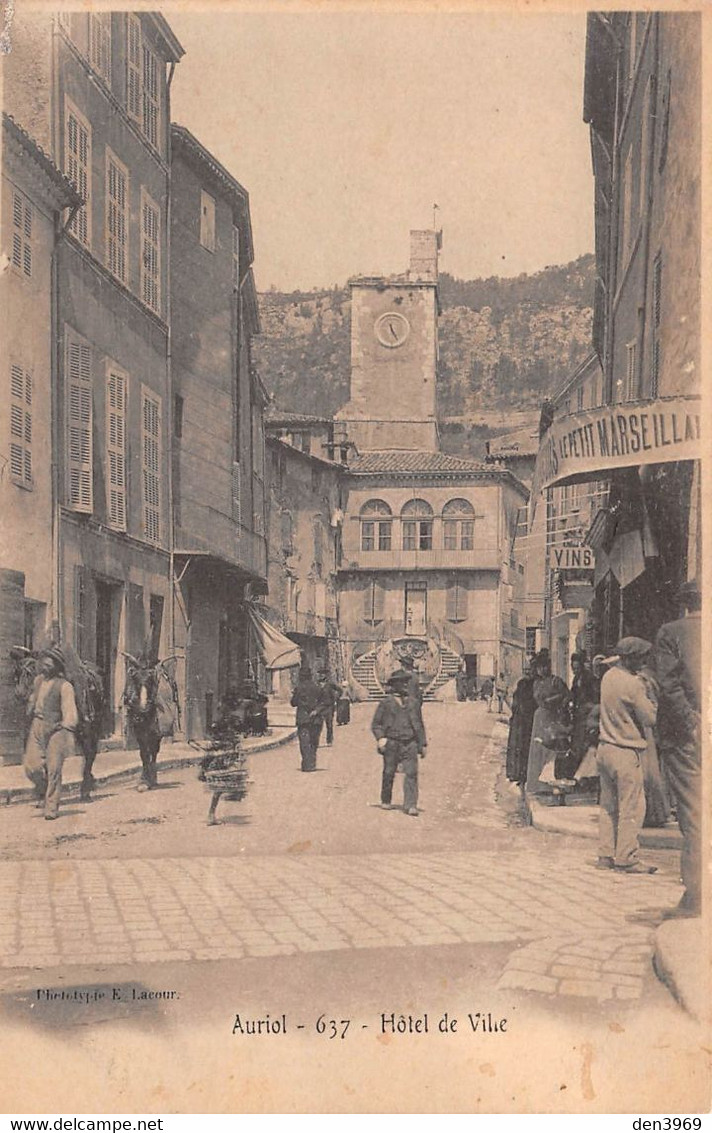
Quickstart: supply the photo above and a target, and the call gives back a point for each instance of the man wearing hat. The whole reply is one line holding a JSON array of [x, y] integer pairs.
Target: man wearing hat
[[400, 735], [678, 669], [53, 710], [626, 711], [307, 699]]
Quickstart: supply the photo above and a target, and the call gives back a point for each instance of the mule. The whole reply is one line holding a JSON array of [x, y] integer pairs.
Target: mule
[[141, 700]]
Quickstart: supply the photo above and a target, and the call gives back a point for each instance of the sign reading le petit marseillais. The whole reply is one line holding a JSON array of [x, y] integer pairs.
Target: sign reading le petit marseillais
[[618, 436]]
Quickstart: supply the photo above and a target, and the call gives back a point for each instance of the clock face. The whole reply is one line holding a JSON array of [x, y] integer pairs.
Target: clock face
[[392, 329]]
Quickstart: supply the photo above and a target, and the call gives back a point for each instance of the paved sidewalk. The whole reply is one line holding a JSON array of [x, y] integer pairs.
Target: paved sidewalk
[[581, 821], [120, 764], [571, 934]]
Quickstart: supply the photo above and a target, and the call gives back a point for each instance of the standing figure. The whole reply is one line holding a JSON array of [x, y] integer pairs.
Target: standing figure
[[520, 727], [343, 705], [52, 709], [585, 692], [678, 667], [330, 693], [501, 691], [486, 691], [461, 683], [307, 699], [414, 689], [398, 728], [626, 713], [550, 728]]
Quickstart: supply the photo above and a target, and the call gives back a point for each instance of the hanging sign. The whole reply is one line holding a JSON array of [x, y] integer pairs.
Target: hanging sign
[[618, 436], [573, 558]]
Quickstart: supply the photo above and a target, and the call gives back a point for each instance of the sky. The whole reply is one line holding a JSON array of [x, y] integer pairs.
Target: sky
[[346, 127]]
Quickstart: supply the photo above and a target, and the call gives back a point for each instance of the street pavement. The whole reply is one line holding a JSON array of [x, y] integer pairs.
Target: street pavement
[[310, 863], [133, 936]]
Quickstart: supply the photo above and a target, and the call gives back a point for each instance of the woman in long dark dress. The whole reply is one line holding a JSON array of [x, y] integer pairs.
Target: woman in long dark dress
[[551, 695], [520, 727]]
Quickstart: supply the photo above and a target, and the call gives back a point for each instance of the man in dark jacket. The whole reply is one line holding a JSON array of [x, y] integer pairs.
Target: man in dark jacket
[[398, 728], [330, 693], [678, 670], [307, 699]]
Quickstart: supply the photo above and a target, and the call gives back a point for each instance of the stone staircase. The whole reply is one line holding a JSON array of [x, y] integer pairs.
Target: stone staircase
[[449, 668], [364, 672]]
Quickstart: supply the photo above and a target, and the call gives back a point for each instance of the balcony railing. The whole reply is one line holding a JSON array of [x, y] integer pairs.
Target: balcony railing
[[481, 558]]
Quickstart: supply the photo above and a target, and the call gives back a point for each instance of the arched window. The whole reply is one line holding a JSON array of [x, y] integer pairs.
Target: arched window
[[458, 525], [376, 524], [417, 519]]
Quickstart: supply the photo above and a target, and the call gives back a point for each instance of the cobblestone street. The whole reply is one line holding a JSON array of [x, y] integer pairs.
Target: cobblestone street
[[312, 865]]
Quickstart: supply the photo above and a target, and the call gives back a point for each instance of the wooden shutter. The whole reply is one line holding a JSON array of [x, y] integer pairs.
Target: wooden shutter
[[116, 447], [100, 43], [150, 96], [368, 602], [236, 490], [150, 252], [151, 448], [207, 220], [133, 66], [235, 257], [117, 217], [20, 425], [81, 636], [456, 602], [77, 163], [378, 602], [78, 378], [22, 217]]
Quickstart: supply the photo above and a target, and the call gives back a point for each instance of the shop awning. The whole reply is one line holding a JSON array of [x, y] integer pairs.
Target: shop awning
[[278, 652], [588, 444]]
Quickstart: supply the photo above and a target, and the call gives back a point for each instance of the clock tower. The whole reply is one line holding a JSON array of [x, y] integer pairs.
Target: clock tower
[[394, 347]]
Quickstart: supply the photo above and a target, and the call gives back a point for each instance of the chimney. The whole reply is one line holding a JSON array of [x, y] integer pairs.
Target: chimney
[[424, 256]]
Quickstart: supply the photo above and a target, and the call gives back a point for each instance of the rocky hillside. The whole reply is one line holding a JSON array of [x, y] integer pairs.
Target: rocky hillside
[[504, 345]]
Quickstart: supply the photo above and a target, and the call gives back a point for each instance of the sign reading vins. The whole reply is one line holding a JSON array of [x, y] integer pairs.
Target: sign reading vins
[[574, 558]]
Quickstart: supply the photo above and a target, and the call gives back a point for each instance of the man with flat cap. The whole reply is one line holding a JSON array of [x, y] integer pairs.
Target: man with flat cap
[[626, 712], [678, 669], [52, 708], [400, 735]]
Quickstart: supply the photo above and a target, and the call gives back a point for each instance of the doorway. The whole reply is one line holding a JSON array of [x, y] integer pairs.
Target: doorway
[[108, 604], [416, 608]]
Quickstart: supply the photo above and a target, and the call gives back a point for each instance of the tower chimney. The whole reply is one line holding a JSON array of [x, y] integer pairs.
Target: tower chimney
[[424, 255]]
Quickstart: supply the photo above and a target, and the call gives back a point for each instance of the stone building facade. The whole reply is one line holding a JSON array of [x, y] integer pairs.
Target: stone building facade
[[34, 195], [218, 441]]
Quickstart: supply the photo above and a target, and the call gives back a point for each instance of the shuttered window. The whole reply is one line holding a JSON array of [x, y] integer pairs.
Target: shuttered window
[[207, 220], [150, 252], [21, 425], [22, 218], [151, 461], [456, 602], [100, 43], [236, 489], [373, 602], [79, 418], [235, 257], [116, 395], [117, 217], [77, 166], [151, 96], [133, 66]]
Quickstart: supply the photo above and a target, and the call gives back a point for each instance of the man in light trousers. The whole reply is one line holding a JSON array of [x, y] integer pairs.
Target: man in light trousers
[[626, 711], [52, 708]]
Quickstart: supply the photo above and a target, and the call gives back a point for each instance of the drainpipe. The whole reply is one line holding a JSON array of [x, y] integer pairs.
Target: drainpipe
[[648, 173], [169, 370]]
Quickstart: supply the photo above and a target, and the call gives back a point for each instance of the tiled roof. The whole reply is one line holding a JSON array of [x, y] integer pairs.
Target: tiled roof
[[275, 416], [417, 460], [43, 160]]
